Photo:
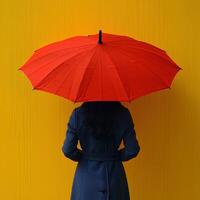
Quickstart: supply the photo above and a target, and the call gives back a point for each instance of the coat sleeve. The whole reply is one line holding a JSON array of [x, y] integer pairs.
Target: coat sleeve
[[131, 145], [69, 147]]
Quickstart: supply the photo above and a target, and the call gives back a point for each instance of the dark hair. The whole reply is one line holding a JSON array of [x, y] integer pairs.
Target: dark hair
[[99, 115]]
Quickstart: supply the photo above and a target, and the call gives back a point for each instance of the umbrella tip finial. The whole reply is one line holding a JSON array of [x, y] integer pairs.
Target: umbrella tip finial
[[100, 37]]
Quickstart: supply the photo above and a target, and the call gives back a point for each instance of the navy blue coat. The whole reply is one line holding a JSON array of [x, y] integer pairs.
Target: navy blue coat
[[100, 174]]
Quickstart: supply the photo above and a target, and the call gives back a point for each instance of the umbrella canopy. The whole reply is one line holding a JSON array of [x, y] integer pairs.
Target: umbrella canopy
[[100, 67]]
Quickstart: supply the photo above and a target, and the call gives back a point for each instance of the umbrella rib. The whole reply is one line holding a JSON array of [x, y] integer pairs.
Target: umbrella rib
[[32, 61], [63, 81], [42, 48], [172, 62], [130, 39], [53, 44], [84, 74], [151, 72], [118, 75], [155, 74], [67, 76], [54, 59], [56, 68], [56, 43]]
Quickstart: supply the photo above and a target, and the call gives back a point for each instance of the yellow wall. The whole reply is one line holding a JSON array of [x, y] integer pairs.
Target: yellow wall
[[33, 123]]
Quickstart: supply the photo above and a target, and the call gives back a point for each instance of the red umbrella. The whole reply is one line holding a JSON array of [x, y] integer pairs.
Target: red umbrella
[[100, 67]]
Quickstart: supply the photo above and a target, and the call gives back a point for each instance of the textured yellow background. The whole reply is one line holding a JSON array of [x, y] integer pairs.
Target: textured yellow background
[[33, 123]]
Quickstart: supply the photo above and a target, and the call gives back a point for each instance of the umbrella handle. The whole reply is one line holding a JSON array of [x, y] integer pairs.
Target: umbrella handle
[[100, 37]]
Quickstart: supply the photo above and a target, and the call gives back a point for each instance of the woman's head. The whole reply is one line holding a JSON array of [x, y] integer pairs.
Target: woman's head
[[99, 115]]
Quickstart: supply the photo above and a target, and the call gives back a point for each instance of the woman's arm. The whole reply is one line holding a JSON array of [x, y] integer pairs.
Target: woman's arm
[[69, 147], [132, 147]]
